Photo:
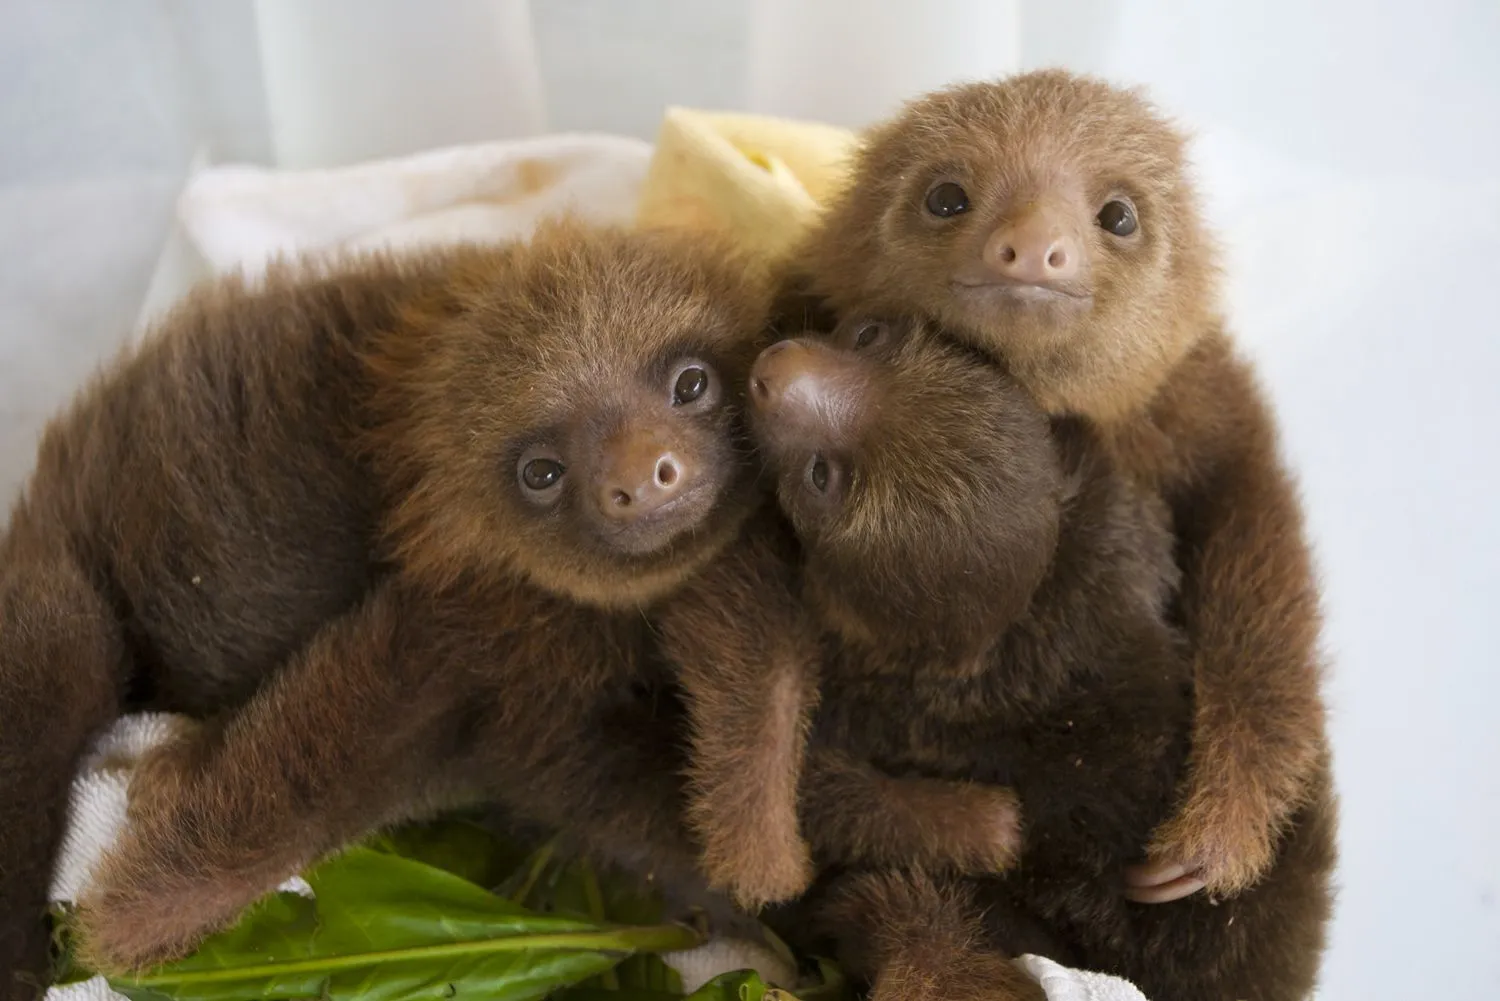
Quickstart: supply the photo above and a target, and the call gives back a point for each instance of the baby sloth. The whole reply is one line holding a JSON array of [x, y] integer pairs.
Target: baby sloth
[[396, 534], [997, 594], [1047, 220]]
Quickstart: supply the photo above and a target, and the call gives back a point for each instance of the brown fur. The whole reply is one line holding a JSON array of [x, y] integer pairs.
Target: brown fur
[[741, 622], [746, 623], [295, 514], [1081, 701], [921, 938], [1145, 360], [191, 521], [748, 658], [863, 816], [404, 708]]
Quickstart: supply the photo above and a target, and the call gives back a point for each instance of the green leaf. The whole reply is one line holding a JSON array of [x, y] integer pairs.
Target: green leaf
[[408, 916], [623, 994], [65, 968], [537, 868], [646, 972], [387, 928], [460, 846], [743, 985], [572, 887], [832, 985], [143, 994]]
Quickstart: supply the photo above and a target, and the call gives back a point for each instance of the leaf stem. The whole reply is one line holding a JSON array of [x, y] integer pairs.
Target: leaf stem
[[595, 898], [651, 938], [538, 864]]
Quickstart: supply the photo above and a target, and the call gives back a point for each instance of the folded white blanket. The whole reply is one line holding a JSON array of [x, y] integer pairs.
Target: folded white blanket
[[242, 217]]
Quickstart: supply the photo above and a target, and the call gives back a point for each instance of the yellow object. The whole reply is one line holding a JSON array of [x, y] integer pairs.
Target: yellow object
[[760, 178]]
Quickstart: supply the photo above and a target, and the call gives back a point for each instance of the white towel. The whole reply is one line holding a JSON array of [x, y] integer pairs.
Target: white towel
[[240, 217], [1064, 984], [96, 816]]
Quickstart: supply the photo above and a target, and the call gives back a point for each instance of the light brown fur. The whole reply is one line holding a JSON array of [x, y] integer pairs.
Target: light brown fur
[[1145, 359], [749, 657]]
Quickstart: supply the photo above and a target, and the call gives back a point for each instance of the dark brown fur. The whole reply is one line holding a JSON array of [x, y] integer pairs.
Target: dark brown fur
[[191, 522], [1146, 361], [744, 622], [302, 499], [920, 937], [1081, 702], [747, 653]]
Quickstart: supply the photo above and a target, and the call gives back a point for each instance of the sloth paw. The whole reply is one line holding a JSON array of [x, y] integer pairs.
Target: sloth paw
[[767, 864], [1208, 846], [985, 825]]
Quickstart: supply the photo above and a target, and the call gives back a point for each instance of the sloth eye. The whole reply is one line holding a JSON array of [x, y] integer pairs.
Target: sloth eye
[[821, 491], [1117, 217], [822, 474], [542, 474], [869, 334], [691, 384], [817, 473], [947, 199]]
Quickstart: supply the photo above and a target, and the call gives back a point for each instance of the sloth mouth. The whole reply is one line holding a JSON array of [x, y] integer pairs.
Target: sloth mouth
[[653, 533], [1023, 294]]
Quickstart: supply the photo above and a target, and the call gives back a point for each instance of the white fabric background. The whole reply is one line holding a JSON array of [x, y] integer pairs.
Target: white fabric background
[[1349, 148]]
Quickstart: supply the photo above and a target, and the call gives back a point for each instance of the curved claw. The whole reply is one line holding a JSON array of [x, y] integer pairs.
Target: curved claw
[[1154, 873], [1161, 882]]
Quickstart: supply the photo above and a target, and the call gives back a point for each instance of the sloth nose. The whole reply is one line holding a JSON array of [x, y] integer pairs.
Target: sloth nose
[[1036, 247], [786, 378], [806, 394], [765, 380], [639, 475]]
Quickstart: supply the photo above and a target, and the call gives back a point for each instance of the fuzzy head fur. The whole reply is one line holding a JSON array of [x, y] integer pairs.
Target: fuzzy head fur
[[562, 343], [1052, 137], [943, 496]]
